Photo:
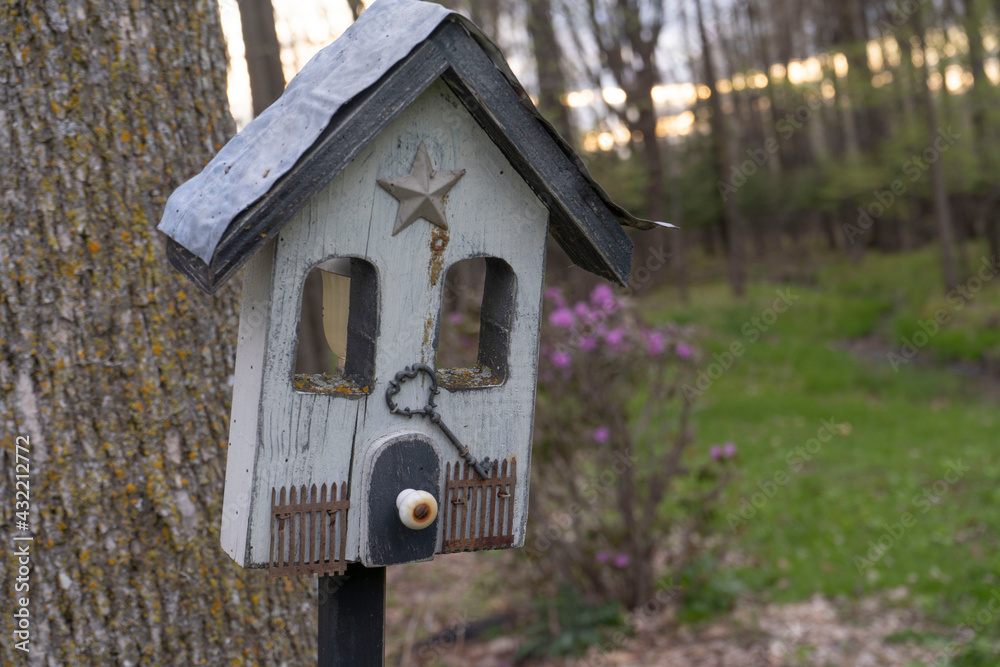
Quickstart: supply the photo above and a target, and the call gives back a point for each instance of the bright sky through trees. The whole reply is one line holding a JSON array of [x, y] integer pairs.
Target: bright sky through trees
[[306, 26]]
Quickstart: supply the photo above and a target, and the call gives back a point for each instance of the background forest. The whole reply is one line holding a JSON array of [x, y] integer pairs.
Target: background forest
[[807, 371], [862, 124]]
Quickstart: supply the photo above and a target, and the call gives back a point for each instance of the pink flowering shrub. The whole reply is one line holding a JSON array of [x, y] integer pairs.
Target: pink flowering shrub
[[621, 497]]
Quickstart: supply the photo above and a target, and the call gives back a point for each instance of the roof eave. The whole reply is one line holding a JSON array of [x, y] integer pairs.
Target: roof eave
[[583, 220]]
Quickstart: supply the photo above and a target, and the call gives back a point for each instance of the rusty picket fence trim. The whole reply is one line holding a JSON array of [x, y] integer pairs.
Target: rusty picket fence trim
[[308, 534], [479, 513]]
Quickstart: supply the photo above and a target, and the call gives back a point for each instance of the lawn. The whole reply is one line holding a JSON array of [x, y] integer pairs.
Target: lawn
[[861, 469]]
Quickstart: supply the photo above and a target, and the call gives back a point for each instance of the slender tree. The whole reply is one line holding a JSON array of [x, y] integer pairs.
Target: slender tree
[[115, 368], [939, 189], [981, 97], [549, 65], [626, 33], [734, 227], [263, 53], [357, 6]]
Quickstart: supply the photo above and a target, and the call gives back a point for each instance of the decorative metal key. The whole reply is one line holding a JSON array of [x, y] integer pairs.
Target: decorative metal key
[[429, 411]]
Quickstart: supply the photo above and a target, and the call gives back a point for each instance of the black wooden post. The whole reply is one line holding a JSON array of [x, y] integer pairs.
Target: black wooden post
[[352, 618]]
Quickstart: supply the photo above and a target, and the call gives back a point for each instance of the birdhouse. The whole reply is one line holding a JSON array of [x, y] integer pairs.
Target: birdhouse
[[401, 149]]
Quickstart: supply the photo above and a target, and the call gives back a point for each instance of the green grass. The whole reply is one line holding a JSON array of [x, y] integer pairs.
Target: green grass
[[908, 287], [895, 434]]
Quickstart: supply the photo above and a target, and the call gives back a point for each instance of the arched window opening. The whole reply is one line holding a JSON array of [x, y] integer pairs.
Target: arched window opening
[[335, 350], [476, 318]]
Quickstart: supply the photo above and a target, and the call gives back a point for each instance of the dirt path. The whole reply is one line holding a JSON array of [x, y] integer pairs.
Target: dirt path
[[454, 592]]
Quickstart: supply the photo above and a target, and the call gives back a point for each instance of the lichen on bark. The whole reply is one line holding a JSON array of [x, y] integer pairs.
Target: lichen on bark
[[118, 369]]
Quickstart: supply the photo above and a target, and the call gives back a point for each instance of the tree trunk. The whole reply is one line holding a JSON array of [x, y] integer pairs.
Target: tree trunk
[[627, 46], [993, 236], [829, 230], [486, 15], [357, 6], [847, 119], [548, 64], [651, 156], [939, 191], [734, 227], [678, 256], [263, 53], [116, 368], [865, 110], [980, 98], [708, 240]]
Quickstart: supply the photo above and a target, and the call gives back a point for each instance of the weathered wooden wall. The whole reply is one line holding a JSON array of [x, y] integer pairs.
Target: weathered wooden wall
[[311, 438]]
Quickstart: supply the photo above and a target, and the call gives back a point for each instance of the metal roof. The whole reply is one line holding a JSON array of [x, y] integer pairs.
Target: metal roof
[[214, 220]]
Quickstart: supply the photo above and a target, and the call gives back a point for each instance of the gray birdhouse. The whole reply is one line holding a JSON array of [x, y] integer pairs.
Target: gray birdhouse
[[404, 147]]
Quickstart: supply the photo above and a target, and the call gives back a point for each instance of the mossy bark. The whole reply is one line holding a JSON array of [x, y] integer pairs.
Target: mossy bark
[[118, 369]]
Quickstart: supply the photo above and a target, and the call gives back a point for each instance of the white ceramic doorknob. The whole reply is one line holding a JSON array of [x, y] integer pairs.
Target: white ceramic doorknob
[[417, 509]]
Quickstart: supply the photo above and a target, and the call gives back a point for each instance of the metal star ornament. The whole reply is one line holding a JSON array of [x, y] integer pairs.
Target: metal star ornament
[[421, 192]]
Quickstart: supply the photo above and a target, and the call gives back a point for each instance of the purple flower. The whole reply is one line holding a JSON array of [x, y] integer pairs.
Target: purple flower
[[656, 342], [561, 359], [729, 450], [621, 560], [715, 452], [588, 343], [601, 434], [601, 293], [562, 318], [602, 557], [615, 337], [555, 295], [603, 297], [456, 317], [683, 351], [590, 316]]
